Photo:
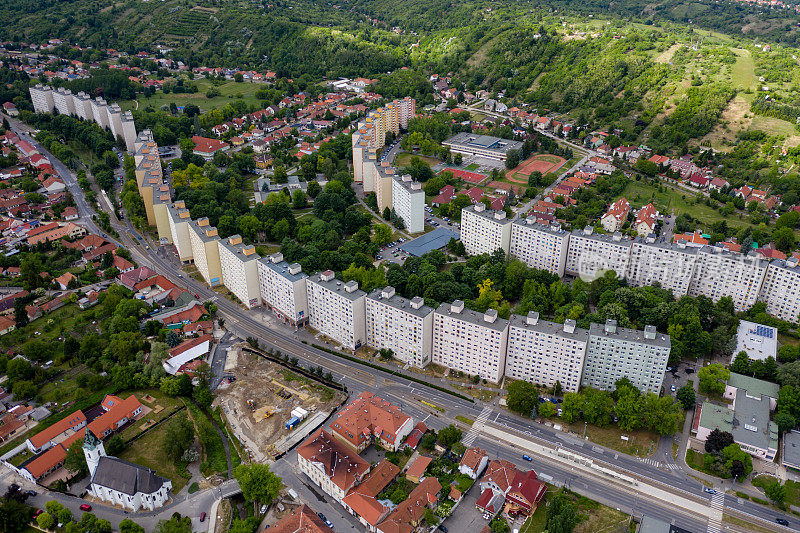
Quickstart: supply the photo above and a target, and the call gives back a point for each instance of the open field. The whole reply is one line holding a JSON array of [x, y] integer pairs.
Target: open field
[[743, 72], [640, 193], [773, 126], [160, 404], [544, 163], [229, 91], [595, 516], [733, 119]]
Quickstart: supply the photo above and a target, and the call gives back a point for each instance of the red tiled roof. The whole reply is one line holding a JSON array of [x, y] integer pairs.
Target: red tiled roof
[[301, 520], [342, 466], [369, 415], [66, 423], [208, 146]]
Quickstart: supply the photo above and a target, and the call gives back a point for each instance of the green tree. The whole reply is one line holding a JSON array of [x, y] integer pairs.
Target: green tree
[[785, 421], [713, 378], [259, 484], [686, 396], [733, 453], [76, 459], [547, 410], [512, 159], [629, 408], [382, 234], [449, 436], [598, 407], [45, 520], [522, 397], [561, 514], [178, 437], [775, 491], [717, 441], [129, 526], [176, 524], [14, 515], [299, 199], [571, 407], [741, 363], [785, 239]]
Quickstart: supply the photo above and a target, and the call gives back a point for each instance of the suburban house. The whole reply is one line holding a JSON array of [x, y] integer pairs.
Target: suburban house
[[333, 466], [301, 520], [362, 501], [646, 220], [616, 215], [473, 462], [503, 487]]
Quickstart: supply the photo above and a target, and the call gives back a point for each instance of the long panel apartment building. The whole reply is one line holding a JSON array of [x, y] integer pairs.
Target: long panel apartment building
[[179, 220], [545, 352], [720, 273], [401, 325], [337, 309], [283, 289], [239, 265], [539, 246], [484, 231], [470, 342], [614, 353], [670, 265]]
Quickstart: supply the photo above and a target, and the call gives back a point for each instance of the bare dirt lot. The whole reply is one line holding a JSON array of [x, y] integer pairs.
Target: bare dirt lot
[[259, 402]]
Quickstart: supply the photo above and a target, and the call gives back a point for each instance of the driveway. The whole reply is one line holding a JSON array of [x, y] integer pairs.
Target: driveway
[[466, 517]]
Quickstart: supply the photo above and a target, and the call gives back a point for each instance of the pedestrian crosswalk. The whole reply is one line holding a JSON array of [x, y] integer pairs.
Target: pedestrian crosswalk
[[659, 464], [717, 508], [472, 434]]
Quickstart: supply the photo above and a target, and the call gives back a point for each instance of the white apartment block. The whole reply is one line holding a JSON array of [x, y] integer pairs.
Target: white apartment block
[[670, 265], [545, 352], [484, 231], [720, 273], [781, 289], [408, 201], [471, 342], [539, 246], [42, 98], [239, 264], [203, 238], [179, 220], [283, 289], [591, 254], [401, 325], [384, 175], [614, 353], [337, 309], [45, 100]]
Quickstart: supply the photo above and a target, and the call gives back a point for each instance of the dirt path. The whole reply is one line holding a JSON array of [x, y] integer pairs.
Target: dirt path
[[666, 55]]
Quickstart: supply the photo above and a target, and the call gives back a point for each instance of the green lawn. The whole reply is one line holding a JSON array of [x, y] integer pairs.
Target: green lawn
[[639, 193], [148, 451], [69, 318], [229, 91], [743, 72], [166, 403], [773, 126], [404, 159], [594, 516]]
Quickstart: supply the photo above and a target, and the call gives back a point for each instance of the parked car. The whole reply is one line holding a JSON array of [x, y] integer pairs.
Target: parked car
[[203, 517], [85, 507], [527, 457], [37, 512], [31, 493], [672, 388], [443, 528]]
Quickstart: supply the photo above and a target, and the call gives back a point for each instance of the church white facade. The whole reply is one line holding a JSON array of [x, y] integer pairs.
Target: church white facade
[[123, 483]]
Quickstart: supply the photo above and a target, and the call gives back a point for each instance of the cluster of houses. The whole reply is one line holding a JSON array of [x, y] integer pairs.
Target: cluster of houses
[[331, 459]]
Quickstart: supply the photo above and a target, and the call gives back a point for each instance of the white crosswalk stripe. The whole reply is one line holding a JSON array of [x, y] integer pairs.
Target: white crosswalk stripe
[[472, 434], [717, 508]]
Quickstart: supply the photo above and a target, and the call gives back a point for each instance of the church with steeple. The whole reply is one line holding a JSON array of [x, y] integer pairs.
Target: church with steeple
[[120, 482]]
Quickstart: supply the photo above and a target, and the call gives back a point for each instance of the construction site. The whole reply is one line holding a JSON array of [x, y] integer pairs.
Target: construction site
[[268, 406]]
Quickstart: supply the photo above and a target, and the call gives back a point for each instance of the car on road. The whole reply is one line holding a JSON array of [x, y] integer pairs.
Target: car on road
[[322, 517], [443, 528], [85, 507], [709, 491], [782, 521], [31, 493], [527, 457], [203, 517]]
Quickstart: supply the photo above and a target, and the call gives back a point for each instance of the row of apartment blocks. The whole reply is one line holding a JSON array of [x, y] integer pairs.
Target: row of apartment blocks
[[479, 344], [46, 99], [392, 190], [464, 340], [681, 267]]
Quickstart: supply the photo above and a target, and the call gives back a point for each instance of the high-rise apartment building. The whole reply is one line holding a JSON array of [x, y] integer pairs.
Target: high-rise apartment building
[[337, 309], [720, 273], [545, 352], [471, 342], [781, 289], [408, 201], [283, 289], [670, 265], [203, 238], [591, 254], [401, 325], [484, 231], [539, 246], [179, 220], [239, 265], [614, 353]]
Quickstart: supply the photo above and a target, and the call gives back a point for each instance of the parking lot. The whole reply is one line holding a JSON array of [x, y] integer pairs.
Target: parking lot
[[675, 378], [393, 253]]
